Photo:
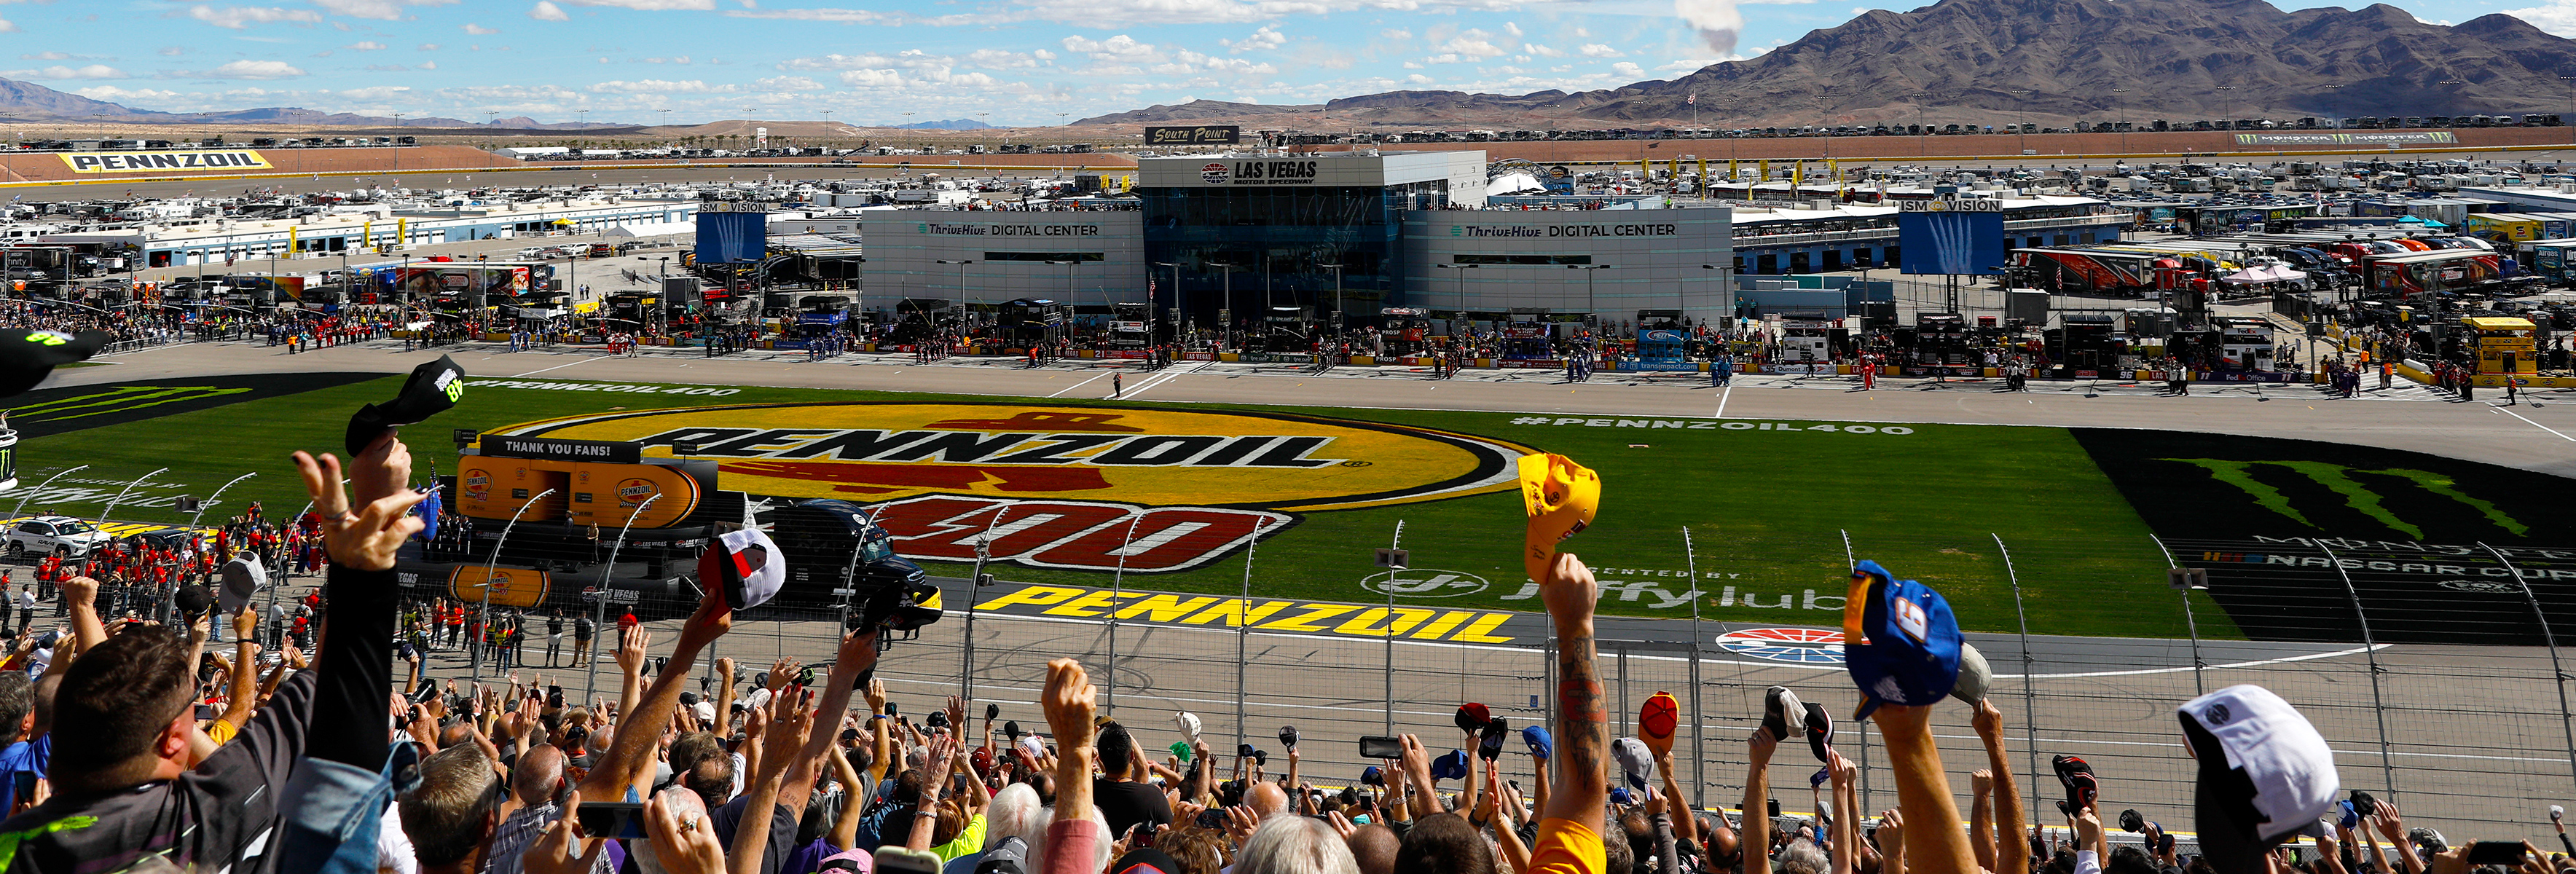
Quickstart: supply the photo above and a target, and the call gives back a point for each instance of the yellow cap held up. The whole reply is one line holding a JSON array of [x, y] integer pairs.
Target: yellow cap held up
[[1560, 497]]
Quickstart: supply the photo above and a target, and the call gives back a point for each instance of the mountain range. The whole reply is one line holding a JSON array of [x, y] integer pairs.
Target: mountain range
[[1955, 61], [1997, 61]]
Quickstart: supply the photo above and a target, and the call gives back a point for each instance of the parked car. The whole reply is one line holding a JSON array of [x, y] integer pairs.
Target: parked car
[[55, 535]]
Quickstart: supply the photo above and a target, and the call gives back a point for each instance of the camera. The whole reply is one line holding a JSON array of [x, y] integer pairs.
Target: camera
[[939, 719]]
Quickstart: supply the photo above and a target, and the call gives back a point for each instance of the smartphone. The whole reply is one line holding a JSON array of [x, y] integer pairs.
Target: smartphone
[[205, 712], [1381, 747], [613, 819], [2495, 853], [2363, 804], [1775, 808], [897, 860], [1212, 818]]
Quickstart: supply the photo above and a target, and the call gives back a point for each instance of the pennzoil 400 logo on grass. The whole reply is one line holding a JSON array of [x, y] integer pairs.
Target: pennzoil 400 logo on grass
[[1064, 486]]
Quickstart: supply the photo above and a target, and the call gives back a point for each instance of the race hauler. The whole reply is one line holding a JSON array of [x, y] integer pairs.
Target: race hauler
[[1131, 326], [1404, 331], [2245, 343], [1940, 340], [1662, 342], [1526, 341], [2416, 273], [1031, 322], [2504, 347], [1806, 338]]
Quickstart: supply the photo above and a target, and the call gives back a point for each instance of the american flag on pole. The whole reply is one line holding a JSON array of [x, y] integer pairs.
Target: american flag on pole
[[1693, 99]]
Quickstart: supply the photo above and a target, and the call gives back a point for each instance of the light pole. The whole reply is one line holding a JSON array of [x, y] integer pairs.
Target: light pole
[[1227, 298], [2019, 130], [827, 131], [2124, 118], [1458, 289], [1071, 297], [1337, 294], [1591, 301], [1730, 291], [961, 274], [2334, 103], [1180, 308], [2228, 105]]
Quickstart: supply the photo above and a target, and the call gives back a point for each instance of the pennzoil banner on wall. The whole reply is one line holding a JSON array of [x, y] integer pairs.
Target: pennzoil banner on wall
[[1053, 486], [165, 162]]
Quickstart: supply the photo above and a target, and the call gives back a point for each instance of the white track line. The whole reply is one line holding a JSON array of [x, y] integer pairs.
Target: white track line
[[1093, 379], [2532, 423], [1721, 399], [556, 367], [1160, 378]]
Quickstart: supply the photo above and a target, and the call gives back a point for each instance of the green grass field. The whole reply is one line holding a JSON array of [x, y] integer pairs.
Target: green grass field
[[1767, 511]]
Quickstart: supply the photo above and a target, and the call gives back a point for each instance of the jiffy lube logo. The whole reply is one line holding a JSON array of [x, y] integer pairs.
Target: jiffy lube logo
[[1064, 486]]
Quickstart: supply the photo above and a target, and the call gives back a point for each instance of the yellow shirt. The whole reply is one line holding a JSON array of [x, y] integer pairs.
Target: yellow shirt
[[970, 841], [1567, 847]]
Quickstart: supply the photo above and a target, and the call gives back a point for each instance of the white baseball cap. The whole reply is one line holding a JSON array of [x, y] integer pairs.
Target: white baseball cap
[[2265, 774], [746, 565]]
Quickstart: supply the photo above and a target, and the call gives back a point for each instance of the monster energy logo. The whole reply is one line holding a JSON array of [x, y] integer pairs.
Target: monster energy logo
[[119, 400], [2339, 479]]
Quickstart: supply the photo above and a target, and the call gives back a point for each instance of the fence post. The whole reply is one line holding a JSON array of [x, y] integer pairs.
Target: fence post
[[2198, 684], [2557, 674], [2369, 650], [1243, 631], [2029, 689], [1117, 591], [1699, 749], [1396, 543]]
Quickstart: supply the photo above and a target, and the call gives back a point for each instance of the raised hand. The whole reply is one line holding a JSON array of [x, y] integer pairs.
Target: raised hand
[[556, 850], [364, 538], [1071, 703], [783, 672], [631, 647], [682, 838]]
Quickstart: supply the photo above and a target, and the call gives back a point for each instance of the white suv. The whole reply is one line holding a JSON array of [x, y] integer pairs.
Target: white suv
[[55, 535]]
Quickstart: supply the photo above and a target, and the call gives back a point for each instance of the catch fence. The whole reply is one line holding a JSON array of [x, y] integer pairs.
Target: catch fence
[[2448, 700]]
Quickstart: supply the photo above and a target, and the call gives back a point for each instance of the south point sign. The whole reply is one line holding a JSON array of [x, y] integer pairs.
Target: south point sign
[[1260, 172]]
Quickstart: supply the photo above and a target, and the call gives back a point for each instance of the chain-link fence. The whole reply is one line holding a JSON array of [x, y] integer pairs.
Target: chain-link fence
[[2469, 736], [2428, 667]]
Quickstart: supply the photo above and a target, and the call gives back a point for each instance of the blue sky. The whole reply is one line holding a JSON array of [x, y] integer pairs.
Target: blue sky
[[1019, 62]]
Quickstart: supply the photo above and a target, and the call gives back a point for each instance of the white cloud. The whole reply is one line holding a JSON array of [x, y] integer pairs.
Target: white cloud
[[545, 10], [242, 70], [170, 51], [650, 5], [1411, 65], [429, 65], [366, 46], [664, 86], [1417, 79], [241, 17], [872, 78], [91, 71], [64, 56], [427, 47], [127, 95], [1598, 50], [1631, 71], [380, 10], [1543, 51], [480, 30], [1472, 43], [387, 68], [1265, 39], [1513, 28], [1117, 48], [788, 83], [997, 59], [1718, 21], [2557, 17], [1690, 65], [377, 93], [1395, 33], [7, 26]]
